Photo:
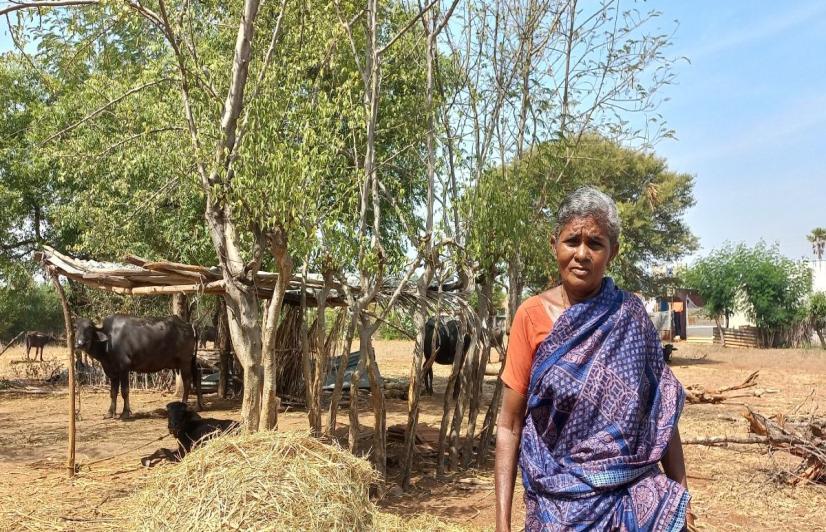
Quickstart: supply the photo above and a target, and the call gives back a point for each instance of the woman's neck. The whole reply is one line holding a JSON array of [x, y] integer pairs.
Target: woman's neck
[[572, 297]]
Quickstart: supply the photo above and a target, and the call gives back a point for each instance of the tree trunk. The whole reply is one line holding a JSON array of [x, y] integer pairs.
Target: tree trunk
[[322, 356], [415, 379], [245, 332], [366, 330], [223, 343], [307, 365], [354, 431], [180, 308], [342, 368], [449, 399], [479, 363], [720, 329], [70, 344], [462, 403], [820, 336], [270, 404]]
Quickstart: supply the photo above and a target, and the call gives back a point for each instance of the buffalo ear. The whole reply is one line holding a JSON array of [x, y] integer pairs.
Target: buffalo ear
[[101, 336]]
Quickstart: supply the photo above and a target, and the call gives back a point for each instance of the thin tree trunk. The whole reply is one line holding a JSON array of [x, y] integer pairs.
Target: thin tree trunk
[[366, 330], [224, 346], [354, 432], [822, 340], [720, 330], [180, 308], [322, 357], [270, 403], [464, 399], [342, 368], [450, 399], [479, 364], [415, 379]]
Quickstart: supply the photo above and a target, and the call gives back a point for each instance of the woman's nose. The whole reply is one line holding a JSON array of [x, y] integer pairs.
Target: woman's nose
[[582, 252]]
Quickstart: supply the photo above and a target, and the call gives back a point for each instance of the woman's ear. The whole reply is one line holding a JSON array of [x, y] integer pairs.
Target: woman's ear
[[553, 245]]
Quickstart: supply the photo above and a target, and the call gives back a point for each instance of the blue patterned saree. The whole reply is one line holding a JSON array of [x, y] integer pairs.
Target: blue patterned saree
[[602, 406]]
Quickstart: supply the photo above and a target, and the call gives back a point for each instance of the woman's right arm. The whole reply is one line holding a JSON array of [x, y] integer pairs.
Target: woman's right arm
[[508, 436]]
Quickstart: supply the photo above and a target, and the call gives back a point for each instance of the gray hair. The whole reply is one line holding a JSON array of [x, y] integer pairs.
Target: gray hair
[[588, 201]]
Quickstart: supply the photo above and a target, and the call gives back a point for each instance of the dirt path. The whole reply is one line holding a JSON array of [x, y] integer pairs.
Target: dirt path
[[732, 489]]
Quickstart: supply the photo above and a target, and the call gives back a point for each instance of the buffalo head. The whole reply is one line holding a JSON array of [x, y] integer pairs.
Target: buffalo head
[[86, 335]]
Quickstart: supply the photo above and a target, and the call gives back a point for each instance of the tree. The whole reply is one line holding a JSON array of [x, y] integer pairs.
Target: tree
[[717, 280], [769, 287], [817, 315], [818, 239], [775, 289]]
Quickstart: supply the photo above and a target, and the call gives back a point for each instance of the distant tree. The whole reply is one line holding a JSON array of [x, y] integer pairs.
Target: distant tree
[[774, 289], [818, 239], [651, 200], [817, 315], [716, 280]]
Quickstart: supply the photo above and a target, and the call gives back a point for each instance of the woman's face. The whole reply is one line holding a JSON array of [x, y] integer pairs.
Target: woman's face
[[583, 252]]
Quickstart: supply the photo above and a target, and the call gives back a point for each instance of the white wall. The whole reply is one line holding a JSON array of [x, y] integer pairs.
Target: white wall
[[818, 275]]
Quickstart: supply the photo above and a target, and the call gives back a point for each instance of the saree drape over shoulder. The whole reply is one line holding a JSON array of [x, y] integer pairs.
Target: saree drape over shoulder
[[602, 406]]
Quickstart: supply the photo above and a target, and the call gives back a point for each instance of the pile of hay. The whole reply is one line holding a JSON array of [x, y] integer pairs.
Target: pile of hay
[[266, 480]]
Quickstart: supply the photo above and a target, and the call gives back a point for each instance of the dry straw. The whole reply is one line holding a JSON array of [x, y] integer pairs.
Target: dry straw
[[264, 481]]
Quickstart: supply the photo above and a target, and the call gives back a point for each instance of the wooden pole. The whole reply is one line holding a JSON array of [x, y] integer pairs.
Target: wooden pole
[[70, 343]]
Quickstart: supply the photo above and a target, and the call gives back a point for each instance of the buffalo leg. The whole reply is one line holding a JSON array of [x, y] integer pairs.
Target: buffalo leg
[[428, 381], [114, 383], [124, 391], [186, 379], [40, 349]]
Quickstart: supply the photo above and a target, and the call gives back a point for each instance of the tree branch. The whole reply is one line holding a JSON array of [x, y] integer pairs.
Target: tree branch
[[102, 109], [36, 5]]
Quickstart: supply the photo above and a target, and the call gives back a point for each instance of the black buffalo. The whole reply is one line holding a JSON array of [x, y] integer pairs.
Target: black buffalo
[[145, 345], [38, 340], [189, 428], [667, 350], [445, 347], [207, 334]]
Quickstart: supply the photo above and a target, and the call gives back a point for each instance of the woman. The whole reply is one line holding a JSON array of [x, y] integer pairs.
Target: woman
[[589, 408]]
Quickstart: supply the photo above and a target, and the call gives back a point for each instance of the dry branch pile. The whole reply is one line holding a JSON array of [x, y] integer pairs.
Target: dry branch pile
[[802, 436], [265, 481], [697, 394]]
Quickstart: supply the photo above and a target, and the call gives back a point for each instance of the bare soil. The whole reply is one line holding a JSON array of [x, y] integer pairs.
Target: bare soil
[[734, 488]]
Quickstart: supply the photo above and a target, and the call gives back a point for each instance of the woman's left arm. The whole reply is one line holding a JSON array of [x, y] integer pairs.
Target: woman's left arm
[[674, 467], [673, 461]]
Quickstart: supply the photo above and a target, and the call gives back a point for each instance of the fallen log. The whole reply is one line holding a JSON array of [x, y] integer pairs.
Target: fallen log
[[697, 394]]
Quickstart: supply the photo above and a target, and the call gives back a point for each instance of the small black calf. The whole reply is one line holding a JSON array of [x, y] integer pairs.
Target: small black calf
[[190, 429]]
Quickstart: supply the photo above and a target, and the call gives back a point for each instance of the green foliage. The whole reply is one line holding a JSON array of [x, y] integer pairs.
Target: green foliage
[[769, 287], [399, 325], [29, 307], [717, 280], [774, 287], [519, 202], [817, 315]]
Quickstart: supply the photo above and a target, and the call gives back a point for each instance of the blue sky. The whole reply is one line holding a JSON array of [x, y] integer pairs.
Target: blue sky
[[750, 115], [749, 111]]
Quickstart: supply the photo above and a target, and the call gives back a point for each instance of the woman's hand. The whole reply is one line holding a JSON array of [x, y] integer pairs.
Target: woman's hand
[[508, 437]]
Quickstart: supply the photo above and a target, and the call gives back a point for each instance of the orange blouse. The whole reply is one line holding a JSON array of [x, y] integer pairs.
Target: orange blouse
[[531, 325]]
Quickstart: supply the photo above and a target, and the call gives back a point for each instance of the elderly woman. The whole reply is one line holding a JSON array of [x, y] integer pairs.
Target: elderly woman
[[590, 409]]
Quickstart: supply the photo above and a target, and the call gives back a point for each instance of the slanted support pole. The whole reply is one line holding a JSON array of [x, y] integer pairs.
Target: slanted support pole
[[70, 343]]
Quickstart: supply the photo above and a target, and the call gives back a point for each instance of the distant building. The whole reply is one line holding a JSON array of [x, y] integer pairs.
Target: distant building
[[818, 274]]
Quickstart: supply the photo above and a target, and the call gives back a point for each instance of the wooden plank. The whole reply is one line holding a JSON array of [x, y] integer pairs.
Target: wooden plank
[[213, 287], [113, 280], [178, 267]]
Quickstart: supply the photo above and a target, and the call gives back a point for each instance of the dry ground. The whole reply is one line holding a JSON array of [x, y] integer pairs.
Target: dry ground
[[732, 488]]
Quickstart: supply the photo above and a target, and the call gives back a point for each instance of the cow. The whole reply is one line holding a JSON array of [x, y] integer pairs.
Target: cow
[[145, 345], [189, 428], [206, 334], [445, 347], [38, 340]]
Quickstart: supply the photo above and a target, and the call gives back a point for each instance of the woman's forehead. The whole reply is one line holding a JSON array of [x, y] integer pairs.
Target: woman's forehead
[[587, 225]]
